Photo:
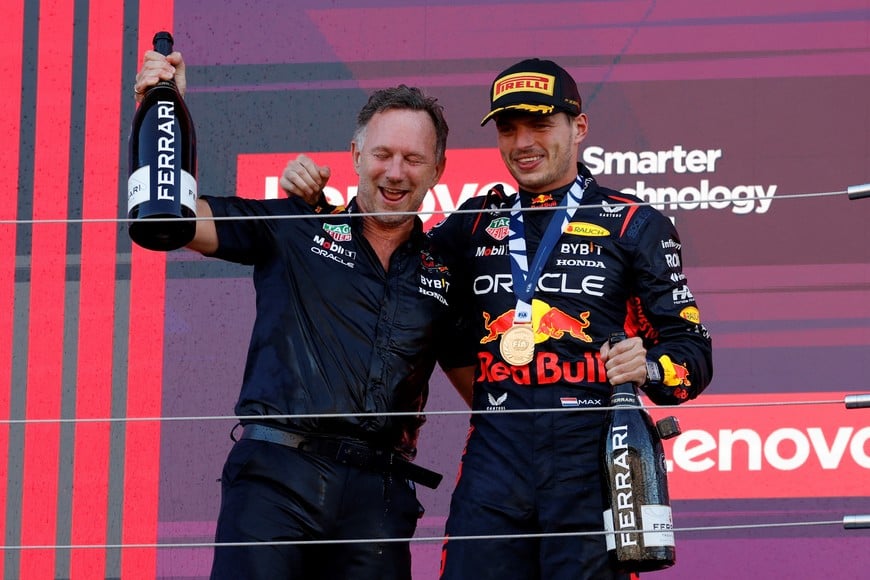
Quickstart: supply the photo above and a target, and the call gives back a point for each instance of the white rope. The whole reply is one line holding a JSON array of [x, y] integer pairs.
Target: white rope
[[667, 408], [396, 213], [420, 539]]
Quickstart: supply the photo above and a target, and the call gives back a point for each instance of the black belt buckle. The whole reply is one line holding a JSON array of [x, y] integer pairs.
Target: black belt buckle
[[386, 461], [352, 454]]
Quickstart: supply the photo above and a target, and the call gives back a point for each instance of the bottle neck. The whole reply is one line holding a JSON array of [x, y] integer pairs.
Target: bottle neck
[[168, 84], [624, 395]]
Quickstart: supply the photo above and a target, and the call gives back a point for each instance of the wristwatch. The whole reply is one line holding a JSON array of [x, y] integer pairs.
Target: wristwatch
[[653, 373]]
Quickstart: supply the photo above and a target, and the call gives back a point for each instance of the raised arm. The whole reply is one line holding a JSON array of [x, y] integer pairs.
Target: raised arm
[[304, 178]]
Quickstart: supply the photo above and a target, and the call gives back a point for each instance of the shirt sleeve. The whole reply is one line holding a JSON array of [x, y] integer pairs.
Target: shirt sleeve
[[663, 311], [248, 240], [456, 342]]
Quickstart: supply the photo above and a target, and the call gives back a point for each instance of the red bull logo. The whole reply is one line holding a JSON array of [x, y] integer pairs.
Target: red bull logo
[[545, 369], [547, 322], [673, 374], [430, 264], [555, 324], [543, 200], [497, 327]]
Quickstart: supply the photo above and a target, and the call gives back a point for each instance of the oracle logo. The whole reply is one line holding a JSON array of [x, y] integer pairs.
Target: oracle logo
[[732, 449]]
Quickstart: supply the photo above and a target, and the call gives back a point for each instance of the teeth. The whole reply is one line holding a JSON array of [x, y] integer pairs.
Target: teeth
[[392, 194]]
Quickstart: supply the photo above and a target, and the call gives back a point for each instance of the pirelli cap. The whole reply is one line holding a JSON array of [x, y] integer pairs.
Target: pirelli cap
[[534, 86]]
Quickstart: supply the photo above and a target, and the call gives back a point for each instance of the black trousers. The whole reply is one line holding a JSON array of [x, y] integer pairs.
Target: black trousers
[[273, 493], [525, 475]]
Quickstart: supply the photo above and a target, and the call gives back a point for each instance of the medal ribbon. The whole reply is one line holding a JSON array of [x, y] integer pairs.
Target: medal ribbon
[[524, 280]]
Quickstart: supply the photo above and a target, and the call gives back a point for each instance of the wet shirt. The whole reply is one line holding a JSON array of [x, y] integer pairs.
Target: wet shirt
[[616, 267], [334, 332]]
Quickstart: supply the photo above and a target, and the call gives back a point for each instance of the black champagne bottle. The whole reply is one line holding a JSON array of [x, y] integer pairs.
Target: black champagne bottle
[[635, 486], [161, 188]]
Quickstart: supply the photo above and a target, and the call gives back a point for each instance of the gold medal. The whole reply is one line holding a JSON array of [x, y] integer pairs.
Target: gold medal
[[517, 345]]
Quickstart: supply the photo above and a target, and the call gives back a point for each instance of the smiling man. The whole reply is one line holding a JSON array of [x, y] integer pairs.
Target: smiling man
[[353, 311], [591, 264]]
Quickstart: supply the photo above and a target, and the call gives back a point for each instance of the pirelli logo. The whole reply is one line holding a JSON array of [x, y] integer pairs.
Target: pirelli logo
[[525, 82]]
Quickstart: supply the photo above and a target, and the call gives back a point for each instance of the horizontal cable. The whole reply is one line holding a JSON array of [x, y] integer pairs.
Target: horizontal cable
[[396, 213], [419, 413], [731, 527]]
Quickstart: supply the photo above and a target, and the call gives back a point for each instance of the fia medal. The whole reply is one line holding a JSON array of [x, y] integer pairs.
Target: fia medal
[[517, 345]]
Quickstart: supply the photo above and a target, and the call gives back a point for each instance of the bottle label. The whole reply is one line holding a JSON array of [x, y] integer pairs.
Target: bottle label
[[187, 189], [657, 518], [656, 521], [624, 399], [139, 188]]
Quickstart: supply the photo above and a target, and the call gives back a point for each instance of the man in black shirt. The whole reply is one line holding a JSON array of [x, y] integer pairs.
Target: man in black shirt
[[353, 312]]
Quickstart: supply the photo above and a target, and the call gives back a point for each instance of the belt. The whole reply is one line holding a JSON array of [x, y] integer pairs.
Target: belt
[[346, 452]]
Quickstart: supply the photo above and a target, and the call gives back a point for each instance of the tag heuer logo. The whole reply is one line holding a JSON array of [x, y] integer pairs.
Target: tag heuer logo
[[499, 228], [339, 233]]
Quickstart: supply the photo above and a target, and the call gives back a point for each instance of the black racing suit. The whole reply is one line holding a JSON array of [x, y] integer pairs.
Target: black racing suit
[[334, 334], [616, 268]]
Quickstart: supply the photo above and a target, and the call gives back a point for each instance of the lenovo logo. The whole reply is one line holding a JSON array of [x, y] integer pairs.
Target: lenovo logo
[[745, 452], [784, 449]]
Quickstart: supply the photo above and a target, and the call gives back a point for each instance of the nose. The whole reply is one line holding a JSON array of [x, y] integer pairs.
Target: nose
[[524, 136], [394, 168]]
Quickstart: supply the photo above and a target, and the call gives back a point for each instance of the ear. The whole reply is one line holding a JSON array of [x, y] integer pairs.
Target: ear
[[355, 154], [439, 171], [581, 128]]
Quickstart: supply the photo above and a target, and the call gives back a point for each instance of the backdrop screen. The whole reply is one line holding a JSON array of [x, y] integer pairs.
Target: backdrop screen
[[744, 122]]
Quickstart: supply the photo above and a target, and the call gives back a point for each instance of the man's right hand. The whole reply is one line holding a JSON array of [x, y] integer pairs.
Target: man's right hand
[[157, 67], [304, 178]]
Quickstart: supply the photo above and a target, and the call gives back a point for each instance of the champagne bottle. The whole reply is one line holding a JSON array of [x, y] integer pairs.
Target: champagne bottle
[[635, 486], [162, 178]]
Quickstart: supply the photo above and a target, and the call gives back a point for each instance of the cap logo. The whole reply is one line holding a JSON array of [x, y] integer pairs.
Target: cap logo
[[524, 82]]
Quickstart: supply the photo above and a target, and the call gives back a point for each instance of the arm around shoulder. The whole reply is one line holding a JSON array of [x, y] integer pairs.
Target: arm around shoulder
[[462, 379]]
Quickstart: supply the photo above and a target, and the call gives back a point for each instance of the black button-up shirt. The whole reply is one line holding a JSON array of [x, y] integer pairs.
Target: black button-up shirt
[[334, 332]]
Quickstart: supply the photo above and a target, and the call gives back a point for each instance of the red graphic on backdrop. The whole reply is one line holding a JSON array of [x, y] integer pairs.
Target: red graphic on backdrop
[[469, 173]]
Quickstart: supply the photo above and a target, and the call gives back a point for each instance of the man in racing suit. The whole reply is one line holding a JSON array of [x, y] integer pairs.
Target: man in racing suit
[[352, 313], [606, 266]]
